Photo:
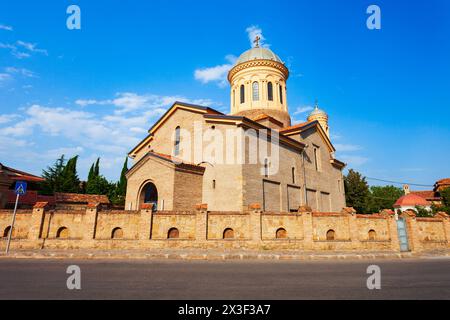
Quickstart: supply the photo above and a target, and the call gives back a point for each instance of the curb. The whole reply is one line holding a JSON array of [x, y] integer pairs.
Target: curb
[[215, 257]]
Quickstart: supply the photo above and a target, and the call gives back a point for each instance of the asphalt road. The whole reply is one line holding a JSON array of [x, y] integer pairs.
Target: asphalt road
[[400, 279]]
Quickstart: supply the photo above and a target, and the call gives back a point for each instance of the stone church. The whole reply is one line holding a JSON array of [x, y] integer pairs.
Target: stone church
[[176, 169]]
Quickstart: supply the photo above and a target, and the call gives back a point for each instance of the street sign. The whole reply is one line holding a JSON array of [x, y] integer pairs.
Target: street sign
[[20, 188]]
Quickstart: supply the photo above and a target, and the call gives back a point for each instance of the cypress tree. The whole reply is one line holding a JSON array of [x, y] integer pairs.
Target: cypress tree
[[70, 181]]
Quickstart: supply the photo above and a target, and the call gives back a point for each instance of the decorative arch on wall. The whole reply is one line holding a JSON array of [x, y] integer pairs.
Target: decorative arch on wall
[[372, 234], [228, 233], [6, 232], [173, 233], [62, 233], [331, 235], [117, 233], [281, 233]]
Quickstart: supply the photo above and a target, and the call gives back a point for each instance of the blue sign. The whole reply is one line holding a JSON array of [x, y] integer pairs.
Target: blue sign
[[20, 188]]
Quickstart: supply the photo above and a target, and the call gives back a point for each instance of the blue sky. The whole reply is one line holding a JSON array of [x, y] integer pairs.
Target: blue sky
[[95, 91]]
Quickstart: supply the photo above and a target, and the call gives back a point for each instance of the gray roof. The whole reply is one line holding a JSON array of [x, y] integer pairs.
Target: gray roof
[[258, 53]]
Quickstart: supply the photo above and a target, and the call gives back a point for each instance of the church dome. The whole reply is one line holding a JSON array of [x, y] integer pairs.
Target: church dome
[[258, 53], [317, 112]]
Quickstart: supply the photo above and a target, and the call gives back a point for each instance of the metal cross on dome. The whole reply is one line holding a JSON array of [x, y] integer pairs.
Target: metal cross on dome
[[256, 41]]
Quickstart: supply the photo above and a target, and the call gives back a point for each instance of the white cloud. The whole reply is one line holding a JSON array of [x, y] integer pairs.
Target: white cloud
[[302, 109], [21, 71], [31, 47], [217, 73], [347, 147], [5, 27], [5, 118], [354, 160], [254, 31], [4, 77], [149, 104]]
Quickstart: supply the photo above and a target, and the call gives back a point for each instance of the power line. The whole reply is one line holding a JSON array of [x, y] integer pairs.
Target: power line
[[397, 182]]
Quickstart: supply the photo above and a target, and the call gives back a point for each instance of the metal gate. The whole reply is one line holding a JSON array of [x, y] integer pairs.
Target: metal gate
[[402, 235]]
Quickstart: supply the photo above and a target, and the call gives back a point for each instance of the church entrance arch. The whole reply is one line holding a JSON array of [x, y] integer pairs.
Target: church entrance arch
[[149, 195]]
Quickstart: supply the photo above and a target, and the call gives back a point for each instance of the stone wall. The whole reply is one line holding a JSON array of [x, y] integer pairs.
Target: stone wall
[[252, 229]]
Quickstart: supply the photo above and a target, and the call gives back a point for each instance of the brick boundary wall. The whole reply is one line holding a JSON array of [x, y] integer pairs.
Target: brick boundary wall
[[304, 230]]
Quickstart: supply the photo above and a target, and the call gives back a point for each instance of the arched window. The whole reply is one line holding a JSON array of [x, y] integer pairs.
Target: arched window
[[330, 234], [281, 233], [281, 93], [255, 91], [173, 233], [177, 142], [372, 234], [62, 233], [242, 93], [6, 232], [151, 195], [228, 233], [117, 233], [270, 91]]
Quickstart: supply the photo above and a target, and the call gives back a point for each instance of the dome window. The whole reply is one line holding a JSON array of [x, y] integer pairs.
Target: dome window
[[242, 93], [255, 88], [270, 91]]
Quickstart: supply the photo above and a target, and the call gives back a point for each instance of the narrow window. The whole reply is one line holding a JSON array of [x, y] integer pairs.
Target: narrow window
[[255, 88], [270, 91], [177, 142], [293, 175], [317, 158], [281, 93], [214, 184], [234, 98], [339, 185], [242, 93], [266, 168]]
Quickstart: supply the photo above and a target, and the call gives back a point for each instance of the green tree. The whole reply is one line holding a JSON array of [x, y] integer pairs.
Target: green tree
[[422, 212], [52, 176], [445, 207], [382, 197], [69, 178], [97, 184], [118, 196], [356, 191]]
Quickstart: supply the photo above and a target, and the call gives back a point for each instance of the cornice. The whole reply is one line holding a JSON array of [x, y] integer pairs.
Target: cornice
[[258, 63]]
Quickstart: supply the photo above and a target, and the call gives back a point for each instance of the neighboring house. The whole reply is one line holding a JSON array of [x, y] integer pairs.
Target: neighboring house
[[8, 177], [432, 196], [410, 202], [173, 170]]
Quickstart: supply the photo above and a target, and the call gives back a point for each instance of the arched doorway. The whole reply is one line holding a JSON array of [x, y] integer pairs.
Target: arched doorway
[[149, 194]]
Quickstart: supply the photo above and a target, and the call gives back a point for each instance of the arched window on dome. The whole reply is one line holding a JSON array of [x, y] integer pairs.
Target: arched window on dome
[[281, 93], [270, 91], [255, 90], [242, 93]]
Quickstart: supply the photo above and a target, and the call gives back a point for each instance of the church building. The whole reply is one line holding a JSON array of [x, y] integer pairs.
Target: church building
[[298, 168]]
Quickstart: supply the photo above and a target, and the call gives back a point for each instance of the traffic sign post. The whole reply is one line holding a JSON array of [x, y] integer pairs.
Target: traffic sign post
[[20, 189]]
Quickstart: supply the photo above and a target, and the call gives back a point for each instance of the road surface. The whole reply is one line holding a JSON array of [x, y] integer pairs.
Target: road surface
[[176, 279]]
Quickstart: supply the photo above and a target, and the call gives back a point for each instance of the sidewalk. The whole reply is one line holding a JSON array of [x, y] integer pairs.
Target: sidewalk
[[197, 254]]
